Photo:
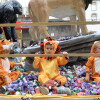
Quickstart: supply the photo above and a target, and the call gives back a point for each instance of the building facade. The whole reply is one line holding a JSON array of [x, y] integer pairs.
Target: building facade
[[93, 14], [2, 1]]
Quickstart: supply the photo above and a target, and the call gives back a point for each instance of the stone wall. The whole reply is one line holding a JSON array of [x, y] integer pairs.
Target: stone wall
[[59, 31]]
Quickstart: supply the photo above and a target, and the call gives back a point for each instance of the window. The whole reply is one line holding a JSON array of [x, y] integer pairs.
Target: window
[[52, 34], [2, 1], [25, 10], [94, 17], [94, 6]]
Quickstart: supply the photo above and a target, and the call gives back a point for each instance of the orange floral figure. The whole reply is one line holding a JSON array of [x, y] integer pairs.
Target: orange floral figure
[[49, 75], [94, 63], [6, 76]]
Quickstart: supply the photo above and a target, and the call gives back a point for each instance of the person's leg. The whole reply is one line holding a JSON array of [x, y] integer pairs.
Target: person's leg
[[2, 82], [13, 34], [14, 75], [44, 90], [97, 79], [63, 90], [53, 85], [48, 84], [1, 31], [43, 79], [7, 31], [60, 80], [59, 88], [3, 85]]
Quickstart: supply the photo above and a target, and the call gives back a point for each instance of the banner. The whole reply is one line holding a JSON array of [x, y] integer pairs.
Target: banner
[[23, 27]]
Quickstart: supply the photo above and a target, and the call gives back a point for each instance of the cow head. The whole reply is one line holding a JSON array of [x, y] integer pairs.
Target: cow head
[[17, 7]]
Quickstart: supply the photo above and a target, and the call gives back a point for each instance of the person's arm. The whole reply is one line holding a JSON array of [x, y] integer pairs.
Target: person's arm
[[87, 78], [12, 65], [36, 62], [8, 79], [18, 64], [63, 60], [1, 49], [3, 73], [89, 65]]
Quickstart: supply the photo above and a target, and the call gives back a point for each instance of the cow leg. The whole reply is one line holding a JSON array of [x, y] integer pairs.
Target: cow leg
[[80, 12], [41, 12], [13, 34], [73, 27], [43, 29], [1, 31], [33, 31], [33, 34], [7, 31]]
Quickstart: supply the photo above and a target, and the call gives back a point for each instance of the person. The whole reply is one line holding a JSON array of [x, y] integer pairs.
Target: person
[[32, 43], [29, 60], [6, 76], [49, 75], [24, 45], [94, 64]]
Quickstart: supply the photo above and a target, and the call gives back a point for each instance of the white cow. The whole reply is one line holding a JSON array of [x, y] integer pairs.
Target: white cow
[[40, 10]]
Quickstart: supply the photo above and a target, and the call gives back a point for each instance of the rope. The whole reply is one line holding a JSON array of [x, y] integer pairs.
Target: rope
[[49, 23], [50, 55]]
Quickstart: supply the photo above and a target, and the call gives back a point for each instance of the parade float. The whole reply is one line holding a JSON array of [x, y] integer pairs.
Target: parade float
[[26, 87]]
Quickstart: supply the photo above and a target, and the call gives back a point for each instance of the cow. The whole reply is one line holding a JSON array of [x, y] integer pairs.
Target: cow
[[40, 10], [8, 14]]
